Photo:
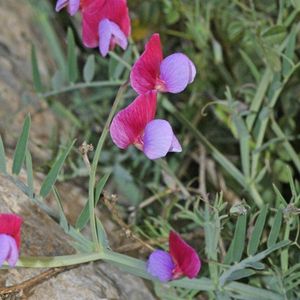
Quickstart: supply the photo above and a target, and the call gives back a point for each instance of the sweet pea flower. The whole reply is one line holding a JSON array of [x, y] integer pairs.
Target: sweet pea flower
[[10, 238], [182, 260], [152, 72], [135, 125], [105, 24], [72, 6]]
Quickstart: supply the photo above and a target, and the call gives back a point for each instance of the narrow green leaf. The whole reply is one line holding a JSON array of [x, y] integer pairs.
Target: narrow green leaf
[[89, 69], [52, 40], [99, 187], [102, 237], [275, 229], [36, 77], [21, 147], [52, 175], [255, 73], [238, 242], [66, 113], [2, 157], [239, 274], [244, 139], [72, 59], [279, 195], [256, 265], [29, 171], [287, 145], [289, 53], [277, 29], [63, 222], [250, 261], [258, 98], [257, 231], [84, 216]]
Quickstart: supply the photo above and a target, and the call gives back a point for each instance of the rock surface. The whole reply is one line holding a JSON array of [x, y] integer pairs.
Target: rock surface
[[41, 236]]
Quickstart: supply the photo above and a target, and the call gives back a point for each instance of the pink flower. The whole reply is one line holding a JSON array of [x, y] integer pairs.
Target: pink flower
[[105, 24], [135, 125], [182, 260], [152, 72], [72, 6], [10, 238]]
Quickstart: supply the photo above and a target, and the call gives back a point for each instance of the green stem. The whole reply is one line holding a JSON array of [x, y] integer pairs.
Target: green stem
[[120, 60], [284, 255], [92, 180], [288, 147], [58, 261], [82, 85]]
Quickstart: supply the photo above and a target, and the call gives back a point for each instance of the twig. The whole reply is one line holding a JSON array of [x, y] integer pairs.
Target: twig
[[28, 285]]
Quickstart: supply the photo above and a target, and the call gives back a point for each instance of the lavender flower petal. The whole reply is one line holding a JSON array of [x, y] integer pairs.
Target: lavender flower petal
[[160, 265]]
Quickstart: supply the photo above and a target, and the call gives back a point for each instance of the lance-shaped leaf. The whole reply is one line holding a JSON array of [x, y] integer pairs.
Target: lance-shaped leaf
[[21, 147]]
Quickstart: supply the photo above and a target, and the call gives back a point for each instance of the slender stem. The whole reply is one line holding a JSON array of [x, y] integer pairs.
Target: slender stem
[[95, 162], [58, 261], [82, 85], [288, 147], [120, 60]]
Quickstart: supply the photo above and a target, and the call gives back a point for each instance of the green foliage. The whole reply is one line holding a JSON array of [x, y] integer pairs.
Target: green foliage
[[52, 175], [21, 147]]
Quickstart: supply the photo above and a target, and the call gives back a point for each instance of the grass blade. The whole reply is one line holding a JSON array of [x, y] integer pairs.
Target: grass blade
[[52, 175], [289, 53], [21, 147], [240, 274], [2, 157], [36, 77], [287, 145], [250, 64], [102, 236], [258, 97], [275, 229], [63, 222], [84, 216], [257, 231], [237, 245], [72, 60], [51, 38], [89, 69], [249, 262], [29, 171]]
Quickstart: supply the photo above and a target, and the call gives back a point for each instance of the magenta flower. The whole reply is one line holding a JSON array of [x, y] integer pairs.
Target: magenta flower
[[182, 260], [105, 24], [10, 238], [135, 125], [72, 6], [152, 72]]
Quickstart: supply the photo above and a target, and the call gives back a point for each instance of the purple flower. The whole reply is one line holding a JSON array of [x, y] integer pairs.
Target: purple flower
[[135, 125], [153, 72], [182, 260], [10, 238]]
